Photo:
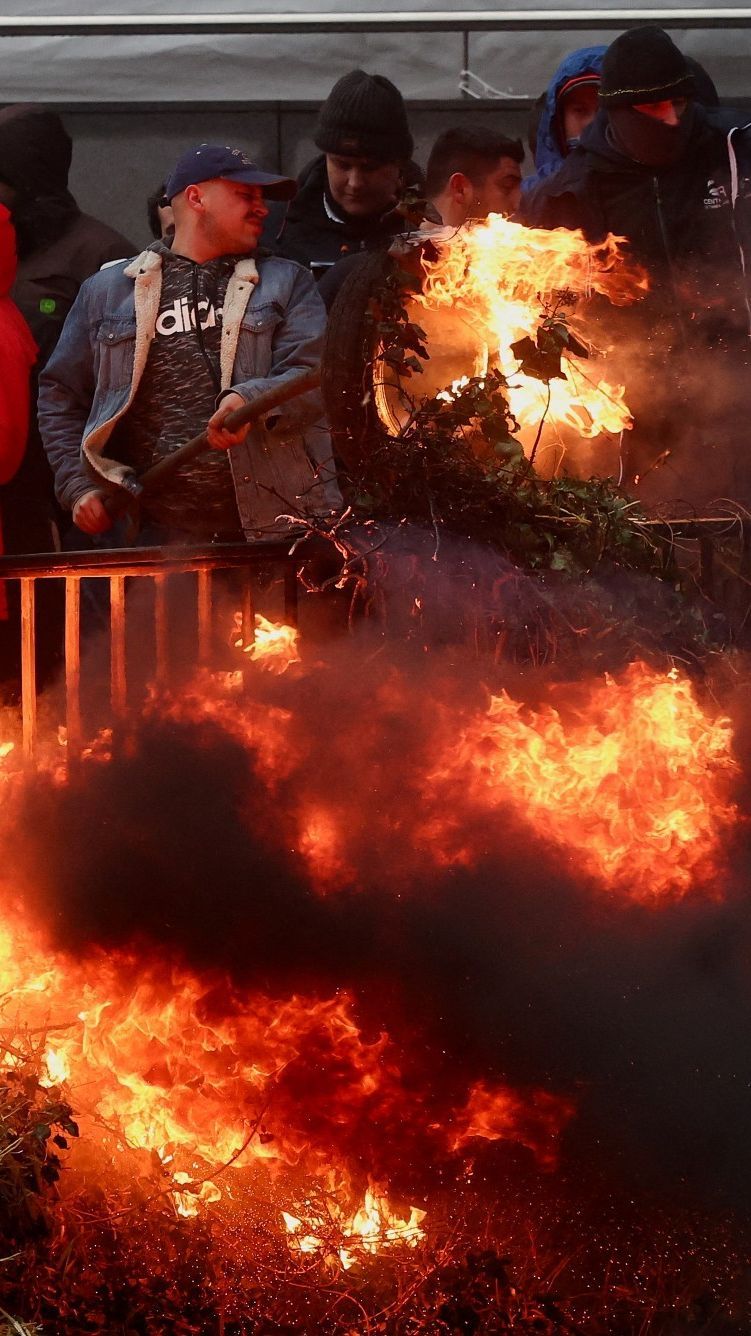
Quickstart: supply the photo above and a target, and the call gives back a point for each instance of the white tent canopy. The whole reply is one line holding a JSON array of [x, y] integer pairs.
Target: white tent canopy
[[245, 51]]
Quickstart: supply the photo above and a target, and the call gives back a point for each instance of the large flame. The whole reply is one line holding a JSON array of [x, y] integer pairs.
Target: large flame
[[204, 1082], [489, 285], [631, 777], [632, 781]]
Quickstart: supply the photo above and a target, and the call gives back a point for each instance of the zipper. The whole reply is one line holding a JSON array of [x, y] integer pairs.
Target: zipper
[[738, 232], [199, 333], [669, 260]]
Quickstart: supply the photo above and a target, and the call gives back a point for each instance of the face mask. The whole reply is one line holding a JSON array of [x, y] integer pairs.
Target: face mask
[[646, 140]]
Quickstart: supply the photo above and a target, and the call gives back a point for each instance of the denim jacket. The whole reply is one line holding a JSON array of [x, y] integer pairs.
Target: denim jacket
[[272, 327]]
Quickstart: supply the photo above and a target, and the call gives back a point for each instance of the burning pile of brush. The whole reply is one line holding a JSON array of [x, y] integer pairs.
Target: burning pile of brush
[[496, 299]]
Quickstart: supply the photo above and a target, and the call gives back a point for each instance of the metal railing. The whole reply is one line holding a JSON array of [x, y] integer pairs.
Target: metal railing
[[116, 567], [468, 20], [707, 533]]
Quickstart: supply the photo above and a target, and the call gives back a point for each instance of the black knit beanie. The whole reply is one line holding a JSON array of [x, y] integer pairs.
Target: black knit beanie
[[644, 65], [364, 116]]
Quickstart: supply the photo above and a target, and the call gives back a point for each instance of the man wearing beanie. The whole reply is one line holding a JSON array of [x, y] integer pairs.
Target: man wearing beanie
[[643, 167], [347, 196], [58, 245], [653, 168]]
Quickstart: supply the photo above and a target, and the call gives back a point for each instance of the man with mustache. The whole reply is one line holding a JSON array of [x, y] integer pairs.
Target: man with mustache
[[189, 330]]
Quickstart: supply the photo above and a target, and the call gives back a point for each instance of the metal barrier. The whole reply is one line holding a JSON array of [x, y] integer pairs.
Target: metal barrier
[[706, 533], [117, 566]]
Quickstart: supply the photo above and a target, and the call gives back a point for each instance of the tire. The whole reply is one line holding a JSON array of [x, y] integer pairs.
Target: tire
[[349, 350], [368, 397]]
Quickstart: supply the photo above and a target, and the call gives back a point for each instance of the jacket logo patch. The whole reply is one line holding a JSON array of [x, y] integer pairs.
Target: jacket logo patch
[[180, 319], [716, 196]]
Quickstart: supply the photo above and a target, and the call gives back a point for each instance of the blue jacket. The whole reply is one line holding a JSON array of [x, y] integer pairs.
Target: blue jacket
[[548, 154], [272, 328]]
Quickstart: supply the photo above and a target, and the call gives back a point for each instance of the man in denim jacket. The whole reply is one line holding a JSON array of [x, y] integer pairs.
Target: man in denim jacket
[[155, 347]]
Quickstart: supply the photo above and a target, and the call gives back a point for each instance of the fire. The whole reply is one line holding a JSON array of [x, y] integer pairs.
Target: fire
[[205, 1080], [188, 1071], [501, 1114], [320, 845], [274, 645], [194, 1084], [56, 1068], [373, 1227], [191, 1081], [171, 1078], [629, 776], [489, 287], [633, 782]]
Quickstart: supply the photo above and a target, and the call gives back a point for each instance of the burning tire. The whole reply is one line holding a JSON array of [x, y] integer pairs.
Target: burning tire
[[495, 296], [366, 395], [348, 357]]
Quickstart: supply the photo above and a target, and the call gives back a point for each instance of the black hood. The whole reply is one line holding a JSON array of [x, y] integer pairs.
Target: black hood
[[311, 184], [595, 139], [35, 151], [35, 157]]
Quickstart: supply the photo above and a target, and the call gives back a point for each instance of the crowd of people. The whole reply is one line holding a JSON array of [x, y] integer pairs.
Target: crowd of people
[[128, 355]]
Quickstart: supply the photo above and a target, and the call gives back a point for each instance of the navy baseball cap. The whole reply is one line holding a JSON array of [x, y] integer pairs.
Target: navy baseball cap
[[209, 162]]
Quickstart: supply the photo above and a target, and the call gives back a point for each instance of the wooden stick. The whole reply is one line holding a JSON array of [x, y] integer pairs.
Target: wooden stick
[[270, 399]]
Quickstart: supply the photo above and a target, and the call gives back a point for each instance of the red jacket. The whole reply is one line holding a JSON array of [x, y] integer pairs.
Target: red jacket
[[17, 356]]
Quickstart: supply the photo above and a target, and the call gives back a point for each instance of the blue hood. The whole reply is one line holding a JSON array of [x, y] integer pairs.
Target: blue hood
[[548, 156]]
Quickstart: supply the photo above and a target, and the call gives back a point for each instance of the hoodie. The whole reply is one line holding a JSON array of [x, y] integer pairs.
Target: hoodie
[[685, 346], [549, 154], [677, 219], [58, 245]]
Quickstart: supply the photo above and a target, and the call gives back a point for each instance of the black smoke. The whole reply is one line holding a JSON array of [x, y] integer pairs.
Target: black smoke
[[516, 968]]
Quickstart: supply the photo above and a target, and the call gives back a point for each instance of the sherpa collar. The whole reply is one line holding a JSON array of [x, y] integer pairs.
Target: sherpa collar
[[150, 262]]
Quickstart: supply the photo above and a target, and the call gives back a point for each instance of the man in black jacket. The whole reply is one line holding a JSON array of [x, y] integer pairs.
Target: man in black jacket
[[59, 247], [346, 197], [653, 168]]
